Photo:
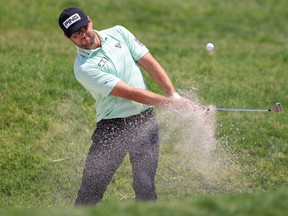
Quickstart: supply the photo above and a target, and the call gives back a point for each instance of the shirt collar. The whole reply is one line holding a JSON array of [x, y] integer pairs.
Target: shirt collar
[[87, 52]]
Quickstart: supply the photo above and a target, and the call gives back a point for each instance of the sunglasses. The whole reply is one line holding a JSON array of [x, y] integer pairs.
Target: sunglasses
[[79, 33]]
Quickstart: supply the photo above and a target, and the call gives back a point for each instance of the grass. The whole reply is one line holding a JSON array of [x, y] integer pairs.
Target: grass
[[46, 117], [263, 204]]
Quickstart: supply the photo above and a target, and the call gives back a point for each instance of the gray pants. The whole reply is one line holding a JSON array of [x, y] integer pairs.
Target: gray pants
[[113, 139]]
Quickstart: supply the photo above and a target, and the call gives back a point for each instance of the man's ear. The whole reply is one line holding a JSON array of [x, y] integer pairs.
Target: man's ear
[[89, 21]]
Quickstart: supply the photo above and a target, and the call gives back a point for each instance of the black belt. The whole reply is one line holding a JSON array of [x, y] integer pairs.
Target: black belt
[[131, 119]]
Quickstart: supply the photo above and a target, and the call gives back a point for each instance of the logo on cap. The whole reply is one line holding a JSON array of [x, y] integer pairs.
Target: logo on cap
[[72, 19]]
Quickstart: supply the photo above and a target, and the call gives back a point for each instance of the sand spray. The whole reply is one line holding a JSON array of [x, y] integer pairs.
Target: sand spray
[[194, 160]]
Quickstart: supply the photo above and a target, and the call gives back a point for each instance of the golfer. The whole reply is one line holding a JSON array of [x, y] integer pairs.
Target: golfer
[[107, 65]]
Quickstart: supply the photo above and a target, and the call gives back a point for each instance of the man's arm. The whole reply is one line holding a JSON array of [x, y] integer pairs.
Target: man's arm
[[147, 97], [158, 74]]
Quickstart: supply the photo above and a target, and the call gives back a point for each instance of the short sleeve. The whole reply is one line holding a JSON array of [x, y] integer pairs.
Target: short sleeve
[[95, 80], [136, 48]]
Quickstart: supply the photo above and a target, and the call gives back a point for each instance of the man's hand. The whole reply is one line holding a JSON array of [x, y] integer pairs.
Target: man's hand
[[182, 105]]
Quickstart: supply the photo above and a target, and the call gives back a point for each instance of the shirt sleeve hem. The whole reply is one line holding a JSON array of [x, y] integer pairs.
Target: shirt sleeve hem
[[142, 54]]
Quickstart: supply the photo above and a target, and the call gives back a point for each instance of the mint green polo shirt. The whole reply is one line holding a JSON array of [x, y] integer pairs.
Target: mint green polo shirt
[[101, 69]]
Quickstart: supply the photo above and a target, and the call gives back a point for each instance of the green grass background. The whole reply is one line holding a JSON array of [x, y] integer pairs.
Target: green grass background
[[47, 118]]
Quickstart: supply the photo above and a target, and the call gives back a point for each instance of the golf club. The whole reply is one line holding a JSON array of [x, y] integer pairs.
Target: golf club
[[275, 108]]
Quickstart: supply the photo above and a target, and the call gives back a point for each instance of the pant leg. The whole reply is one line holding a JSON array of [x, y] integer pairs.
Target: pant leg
[[144, 159], [103, 159]]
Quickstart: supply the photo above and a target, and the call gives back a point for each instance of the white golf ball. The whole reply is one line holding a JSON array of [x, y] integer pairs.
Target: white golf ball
[[209, 46]]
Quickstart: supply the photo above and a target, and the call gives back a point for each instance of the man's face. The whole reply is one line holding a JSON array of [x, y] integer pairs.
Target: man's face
[[84, 37]]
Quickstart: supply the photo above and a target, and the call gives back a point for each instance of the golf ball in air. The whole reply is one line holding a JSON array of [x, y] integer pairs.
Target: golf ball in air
[[209, 46]]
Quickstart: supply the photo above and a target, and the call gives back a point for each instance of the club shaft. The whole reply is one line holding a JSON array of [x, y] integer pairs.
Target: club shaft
[[241, 110]]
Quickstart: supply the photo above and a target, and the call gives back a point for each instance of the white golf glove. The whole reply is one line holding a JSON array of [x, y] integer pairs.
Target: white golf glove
[[175, 95]]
